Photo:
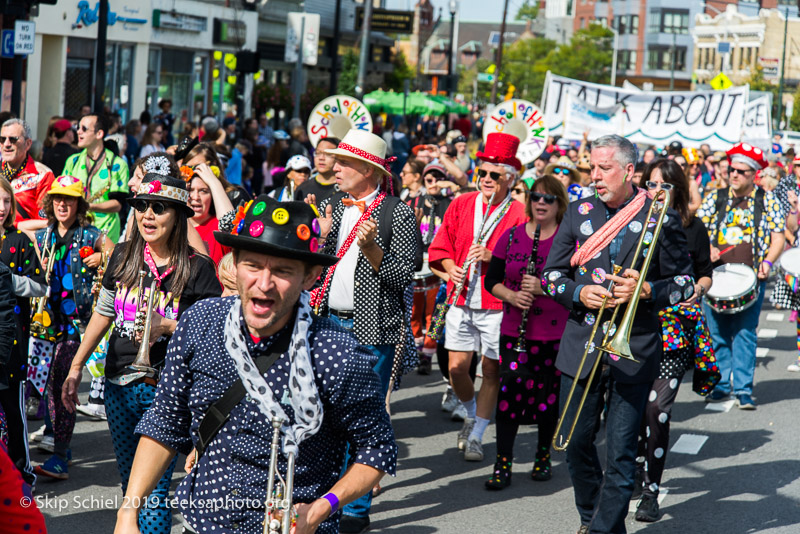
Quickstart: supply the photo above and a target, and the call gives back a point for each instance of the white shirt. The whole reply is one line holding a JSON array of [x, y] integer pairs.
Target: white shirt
[[343, 283]]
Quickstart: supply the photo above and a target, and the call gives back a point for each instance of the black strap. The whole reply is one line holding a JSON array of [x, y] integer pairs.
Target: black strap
[[219, 412]]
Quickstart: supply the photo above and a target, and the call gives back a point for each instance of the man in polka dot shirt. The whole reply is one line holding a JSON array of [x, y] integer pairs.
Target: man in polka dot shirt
[[276, 261]]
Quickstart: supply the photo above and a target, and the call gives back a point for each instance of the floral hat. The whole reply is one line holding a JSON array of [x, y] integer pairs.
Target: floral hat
[[68, 186], [164, 188]]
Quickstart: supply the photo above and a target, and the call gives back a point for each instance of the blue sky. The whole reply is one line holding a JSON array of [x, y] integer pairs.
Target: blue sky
[[470, 10]]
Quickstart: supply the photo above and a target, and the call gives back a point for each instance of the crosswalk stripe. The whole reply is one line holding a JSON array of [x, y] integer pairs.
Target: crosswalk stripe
[[767, 333], [689, 444]]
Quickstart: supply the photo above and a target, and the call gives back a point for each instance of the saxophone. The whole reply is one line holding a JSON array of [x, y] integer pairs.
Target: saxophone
[[41, 319]]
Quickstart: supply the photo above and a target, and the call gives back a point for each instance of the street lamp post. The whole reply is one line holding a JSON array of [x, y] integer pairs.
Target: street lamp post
[[453, 47]]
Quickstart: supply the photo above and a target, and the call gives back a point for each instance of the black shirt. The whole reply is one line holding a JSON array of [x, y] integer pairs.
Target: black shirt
[[56, 156], [699, 248], [122, 349], [313, 187]]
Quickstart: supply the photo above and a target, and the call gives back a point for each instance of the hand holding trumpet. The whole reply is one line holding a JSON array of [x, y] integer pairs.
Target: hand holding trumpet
[[620, 293]]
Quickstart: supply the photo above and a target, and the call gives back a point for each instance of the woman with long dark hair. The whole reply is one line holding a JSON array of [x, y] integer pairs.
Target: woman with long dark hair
[[529, 380], [71, 249], [684, 333], [158, 247]]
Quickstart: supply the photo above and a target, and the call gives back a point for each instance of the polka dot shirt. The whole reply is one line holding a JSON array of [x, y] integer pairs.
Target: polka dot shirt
[[226, 490]]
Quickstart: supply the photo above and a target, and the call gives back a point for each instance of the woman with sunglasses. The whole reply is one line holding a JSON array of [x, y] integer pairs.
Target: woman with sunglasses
[[70, 248], [567, 173], [207, 198], [685, 337], [19, 255], [152, 139], [157, 245], [412, 182], [529, 380]]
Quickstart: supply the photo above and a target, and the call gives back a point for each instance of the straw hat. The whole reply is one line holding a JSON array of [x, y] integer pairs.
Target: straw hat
[[366, 147], [564, 163]]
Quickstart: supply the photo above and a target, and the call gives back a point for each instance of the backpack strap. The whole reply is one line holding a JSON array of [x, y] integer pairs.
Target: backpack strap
[[758, 213], [722, 211]]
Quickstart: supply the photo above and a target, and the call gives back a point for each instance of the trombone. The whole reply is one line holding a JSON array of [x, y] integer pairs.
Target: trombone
[[619, 344]]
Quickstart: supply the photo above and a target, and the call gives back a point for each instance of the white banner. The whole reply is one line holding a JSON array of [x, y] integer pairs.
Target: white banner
[[757, 120], [582, 117], [655, 117]]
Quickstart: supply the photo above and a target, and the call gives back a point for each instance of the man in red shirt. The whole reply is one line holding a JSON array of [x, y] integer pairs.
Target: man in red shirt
[[30, 179]]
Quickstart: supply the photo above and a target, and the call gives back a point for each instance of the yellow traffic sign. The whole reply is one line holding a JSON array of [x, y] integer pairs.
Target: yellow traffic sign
[[720, 82]]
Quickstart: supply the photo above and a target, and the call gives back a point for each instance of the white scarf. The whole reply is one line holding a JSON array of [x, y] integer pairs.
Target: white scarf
[[473, 299], [304, 399]]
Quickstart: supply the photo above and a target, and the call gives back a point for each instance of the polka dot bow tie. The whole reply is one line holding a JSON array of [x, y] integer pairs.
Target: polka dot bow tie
[[362, 205]]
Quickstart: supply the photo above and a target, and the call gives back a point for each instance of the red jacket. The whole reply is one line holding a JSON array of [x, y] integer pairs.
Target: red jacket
[[456, 235]]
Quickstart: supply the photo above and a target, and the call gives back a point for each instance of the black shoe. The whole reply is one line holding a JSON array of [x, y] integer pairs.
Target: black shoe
[[638, 482], [541, 468], [350, 524], [647, 511], [501, 477]]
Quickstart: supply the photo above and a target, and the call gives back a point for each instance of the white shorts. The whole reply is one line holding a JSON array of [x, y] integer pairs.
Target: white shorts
[[470, 330]]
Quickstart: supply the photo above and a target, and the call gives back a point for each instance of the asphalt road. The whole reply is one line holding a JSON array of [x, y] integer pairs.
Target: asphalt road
[[744, 478]]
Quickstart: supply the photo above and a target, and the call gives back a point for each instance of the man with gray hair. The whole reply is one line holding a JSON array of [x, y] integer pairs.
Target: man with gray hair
[[462, 248], [596, 237], [30, 179]]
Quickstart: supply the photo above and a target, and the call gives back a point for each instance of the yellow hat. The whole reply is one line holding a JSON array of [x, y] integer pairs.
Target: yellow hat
[[69, 186]]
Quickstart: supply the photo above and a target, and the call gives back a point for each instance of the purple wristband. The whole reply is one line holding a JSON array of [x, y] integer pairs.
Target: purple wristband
[[333, 500], [767, 261]]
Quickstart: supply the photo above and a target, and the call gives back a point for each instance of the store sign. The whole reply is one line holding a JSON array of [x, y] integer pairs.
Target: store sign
[[770, 66], [88, 16], [385, 20], [230, 32], [170, 20], [24, 37]]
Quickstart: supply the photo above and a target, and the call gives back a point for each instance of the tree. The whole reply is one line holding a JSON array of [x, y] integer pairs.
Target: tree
[[400, 73], [528, 11], [794, 121], [522, 66], [757, 82], [466, 80], [348, 77], [587, 56]]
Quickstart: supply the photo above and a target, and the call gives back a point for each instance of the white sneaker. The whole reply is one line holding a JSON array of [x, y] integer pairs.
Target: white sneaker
[[449, 400], [459, 414], [794, 368], [474, 451], [96, 412], [47, 444], [464, 433], [36, 437]]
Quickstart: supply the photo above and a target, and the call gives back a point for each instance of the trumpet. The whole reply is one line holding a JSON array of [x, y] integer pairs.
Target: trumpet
[[438, 319], [142, 323], [41, 319], [530, 269], [279, 517], [619, 344]]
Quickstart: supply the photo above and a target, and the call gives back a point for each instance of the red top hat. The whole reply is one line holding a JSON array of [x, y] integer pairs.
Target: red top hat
[[501, 149]]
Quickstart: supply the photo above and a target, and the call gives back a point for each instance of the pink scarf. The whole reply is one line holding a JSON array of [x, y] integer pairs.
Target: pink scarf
[[603, 237]]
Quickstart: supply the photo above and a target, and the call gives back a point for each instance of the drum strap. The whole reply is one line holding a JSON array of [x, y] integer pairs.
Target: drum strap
[[758, 212]]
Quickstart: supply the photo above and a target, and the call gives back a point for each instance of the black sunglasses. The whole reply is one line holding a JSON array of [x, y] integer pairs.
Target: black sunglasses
[[654, 185], [158, 207], [518, 190], [12, 139], [743, 172], [493, 175], [548, 199]]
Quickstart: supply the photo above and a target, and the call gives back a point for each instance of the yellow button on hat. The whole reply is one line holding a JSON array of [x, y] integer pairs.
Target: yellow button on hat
[[280, 216]]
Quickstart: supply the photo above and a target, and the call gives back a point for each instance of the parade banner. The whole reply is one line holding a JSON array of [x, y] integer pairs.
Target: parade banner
[[335, 116], [655, 117], [757, 120], [582, 117], [522, 119]]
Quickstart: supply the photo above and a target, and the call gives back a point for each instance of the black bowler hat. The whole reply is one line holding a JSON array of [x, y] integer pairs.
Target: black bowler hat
[[165, 188], [285, 229]]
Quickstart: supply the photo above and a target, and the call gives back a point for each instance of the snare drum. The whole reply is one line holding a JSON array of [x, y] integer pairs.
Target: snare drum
[[789, 268], [424, 279], [734, 287]]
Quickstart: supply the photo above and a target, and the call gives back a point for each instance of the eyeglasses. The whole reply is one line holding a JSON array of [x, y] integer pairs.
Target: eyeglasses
[[548, 199], [518, 190], [11, 139], [655, 185], [157, 206], [734, 170], [493, 175], [561, 170], [63, 198]]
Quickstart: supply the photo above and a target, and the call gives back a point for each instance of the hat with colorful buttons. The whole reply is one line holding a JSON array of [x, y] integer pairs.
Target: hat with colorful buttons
[[68, 186], [285, 229], [750, 155]]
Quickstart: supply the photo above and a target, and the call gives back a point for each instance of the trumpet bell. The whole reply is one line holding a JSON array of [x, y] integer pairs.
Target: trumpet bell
[[620, 348]]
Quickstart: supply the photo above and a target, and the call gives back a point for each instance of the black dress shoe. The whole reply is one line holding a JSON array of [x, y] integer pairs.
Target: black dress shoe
[[350, 524], [647, 511]]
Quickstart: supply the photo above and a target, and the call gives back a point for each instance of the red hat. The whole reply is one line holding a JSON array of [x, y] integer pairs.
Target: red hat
[[751, 156], [501, 149], [62, 125]]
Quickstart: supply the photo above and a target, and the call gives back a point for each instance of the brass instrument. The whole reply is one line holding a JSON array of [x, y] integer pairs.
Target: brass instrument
[[142, 323], [280, 515], [101, 270], [97, 196], [619, 344], [530, 269], [41, 319], [438, 319]]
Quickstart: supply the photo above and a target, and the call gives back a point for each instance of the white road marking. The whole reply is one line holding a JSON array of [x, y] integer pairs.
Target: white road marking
[[720, 406], [689, 444], [767, 333], [762, 351], [775, 317]]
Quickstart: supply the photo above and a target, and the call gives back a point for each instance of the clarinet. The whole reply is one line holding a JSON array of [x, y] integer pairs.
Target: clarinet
[[530, 270]]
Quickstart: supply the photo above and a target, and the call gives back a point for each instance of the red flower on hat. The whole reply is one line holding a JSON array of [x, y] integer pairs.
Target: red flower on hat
[[501, 149], [152, 188]]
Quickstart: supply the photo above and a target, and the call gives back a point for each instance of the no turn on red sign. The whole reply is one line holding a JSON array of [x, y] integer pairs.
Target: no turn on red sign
[[24, 37]]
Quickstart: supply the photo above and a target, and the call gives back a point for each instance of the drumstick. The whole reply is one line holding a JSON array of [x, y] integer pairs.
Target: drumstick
[[727, 249]]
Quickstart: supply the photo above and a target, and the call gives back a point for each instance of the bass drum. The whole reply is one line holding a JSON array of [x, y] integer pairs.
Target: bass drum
[[522, 119], [789, 268], [335, 116], [734, 287]]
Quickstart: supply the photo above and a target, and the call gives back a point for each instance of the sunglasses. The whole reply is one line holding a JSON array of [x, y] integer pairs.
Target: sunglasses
[[743, 172], [654, 185], [157, 206], [548, 199], [84, 128], [493, 175], [433, 178], [11, 138], [518, 190], [561, 170]]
